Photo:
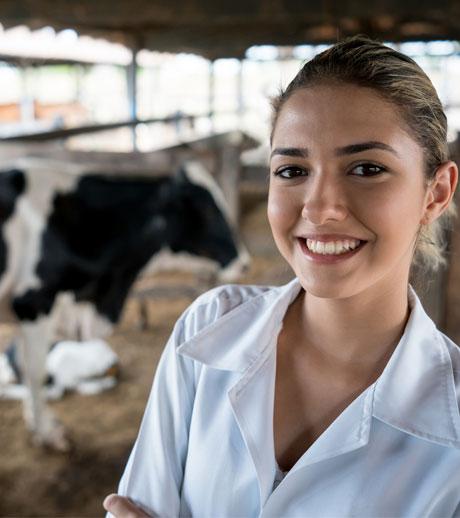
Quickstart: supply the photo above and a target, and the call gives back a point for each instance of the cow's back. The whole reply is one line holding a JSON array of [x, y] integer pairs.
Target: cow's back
[[92, 235]]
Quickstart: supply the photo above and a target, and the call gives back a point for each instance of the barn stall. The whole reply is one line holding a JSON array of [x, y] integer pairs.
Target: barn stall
[[37, 483]]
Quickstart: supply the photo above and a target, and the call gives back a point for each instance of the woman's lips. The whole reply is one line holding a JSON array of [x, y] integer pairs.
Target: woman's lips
[[327, 258]]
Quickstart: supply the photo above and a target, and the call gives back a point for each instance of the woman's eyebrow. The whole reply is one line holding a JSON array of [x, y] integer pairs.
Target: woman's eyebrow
[[364, 146], [290, 151], [302, 152]]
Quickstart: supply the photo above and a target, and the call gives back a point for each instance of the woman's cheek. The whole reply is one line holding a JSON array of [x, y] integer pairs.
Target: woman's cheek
[[273, 207], [281, 208]]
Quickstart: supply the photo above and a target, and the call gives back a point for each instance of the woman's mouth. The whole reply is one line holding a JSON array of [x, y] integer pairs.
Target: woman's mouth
[[330, 251]]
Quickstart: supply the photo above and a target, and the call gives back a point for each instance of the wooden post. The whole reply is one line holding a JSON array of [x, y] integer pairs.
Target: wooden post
[[432, 293], [240, 94], [229, 172], [452, 312], [131, 77], [79, 73], [211, 92], [27, 103], [451, 323]]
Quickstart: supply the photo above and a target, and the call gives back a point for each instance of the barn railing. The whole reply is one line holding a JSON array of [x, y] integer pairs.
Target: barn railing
[[62, 133], [219, 153]]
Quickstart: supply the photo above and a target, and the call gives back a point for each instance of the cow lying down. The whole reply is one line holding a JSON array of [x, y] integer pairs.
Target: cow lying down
[[85, 367], [73, 241]]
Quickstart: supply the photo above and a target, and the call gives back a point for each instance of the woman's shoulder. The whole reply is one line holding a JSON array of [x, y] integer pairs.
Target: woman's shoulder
[[231, 295], [452, 362], [425, 327], [454, 353], [218, 302]]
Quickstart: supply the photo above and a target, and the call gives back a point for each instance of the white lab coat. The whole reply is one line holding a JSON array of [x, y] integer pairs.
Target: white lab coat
[[205, 447]]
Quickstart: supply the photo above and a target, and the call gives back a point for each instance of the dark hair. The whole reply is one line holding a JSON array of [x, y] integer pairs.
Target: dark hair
[[398, 79]]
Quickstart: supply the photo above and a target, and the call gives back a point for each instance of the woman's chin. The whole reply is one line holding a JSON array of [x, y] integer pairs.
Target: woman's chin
[[328, 288]]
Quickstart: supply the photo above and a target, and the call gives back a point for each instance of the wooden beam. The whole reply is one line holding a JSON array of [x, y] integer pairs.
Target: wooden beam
[[32, 61], [219, 153], [211, 94], [163, 161], [94, 128]]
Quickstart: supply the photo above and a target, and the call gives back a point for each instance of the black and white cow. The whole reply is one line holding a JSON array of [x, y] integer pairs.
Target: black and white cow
[[72, 239]]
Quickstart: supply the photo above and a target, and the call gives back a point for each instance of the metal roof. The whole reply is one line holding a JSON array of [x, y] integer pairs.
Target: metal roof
[[226, 28], [22, 46]]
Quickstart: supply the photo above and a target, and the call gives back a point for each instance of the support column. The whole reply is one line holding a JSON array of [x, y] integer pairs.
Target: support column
[[240, 94], [229, 172], [79, 72], [131, 77], [27, 102], [211, 92], [451, 323]]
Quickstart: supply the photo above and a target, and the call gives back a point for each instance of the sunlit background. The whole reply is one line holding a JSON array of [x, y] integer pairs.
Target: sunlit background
[[52, 81], [90, 86]]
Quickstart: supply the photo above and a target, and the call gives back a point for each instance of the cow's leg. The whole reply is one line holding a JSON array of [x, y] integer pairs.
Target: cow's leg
[[34, 345]]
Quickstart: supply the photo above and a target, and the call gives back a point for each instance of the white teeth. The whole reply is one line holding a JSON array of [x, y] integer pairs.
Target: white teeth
[[329, 248], [332, 247]]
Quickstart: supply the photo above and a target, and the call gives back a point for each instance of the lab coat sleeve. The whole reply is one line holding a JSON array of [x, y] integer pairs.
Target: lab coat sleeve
[[154, 472]]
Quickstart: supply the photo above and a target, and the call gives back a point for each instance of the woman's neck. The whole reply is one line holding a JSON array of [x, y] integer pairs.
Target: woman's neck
[[353, 336]]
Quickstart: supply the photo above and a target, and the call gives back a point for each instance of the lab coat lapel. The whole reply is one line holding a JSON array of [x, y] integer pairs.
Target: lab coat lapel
[[415, 394], [252, 397], [252, 401], [239, 338], [348, 432], [416, 391], [244, 341]]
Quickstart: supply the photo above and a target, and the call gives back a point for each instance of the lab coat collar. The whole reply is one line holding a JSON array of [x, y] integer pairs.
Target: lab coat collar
[[249, 352], [254, 321], [416, 391]]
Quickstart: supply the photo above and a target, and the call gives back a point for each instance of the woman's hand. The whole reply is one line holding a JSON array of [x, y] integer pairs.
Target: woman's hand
[[122, 507]]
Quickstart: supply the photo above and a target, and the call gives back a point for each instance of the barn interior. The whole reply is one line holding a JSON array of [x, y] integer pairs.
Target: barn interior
[[244, 37]]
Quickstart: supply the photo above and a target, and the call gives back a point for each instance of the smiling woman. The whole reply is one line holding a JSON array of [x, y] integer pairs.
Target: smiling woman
[[337, 175], [334, 395]]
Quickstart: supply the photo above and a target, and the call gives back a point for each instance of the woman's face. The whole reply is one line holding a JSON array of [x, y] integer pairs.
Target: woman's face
[[347, 191]]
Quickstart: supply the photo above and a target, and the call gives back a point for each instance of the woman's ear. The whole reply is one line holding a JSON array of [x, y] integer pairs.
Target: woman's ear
[[440, 191]]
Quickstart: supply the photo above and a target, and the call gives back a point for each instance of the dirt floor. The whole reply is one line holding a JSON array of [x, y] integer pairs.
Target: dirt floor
[[103, 428]]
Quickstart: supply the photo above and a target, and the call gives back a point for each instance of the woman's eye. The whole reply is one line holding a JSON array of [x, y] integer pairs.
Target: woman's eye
[[290, 172], [367, 170]]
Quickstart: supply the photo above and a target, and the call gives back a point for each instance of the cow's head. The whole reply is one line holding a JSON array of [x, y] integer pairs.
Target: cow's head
[[203, 226]]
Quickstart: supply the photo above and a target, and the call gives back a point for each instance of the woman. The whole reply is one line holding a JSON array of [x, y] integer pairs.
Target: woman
[[334, 395]]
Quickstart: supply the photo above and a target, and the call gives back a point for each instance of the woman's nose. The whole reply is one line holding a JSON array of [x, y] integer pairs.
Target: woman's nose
[[324, 201]]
